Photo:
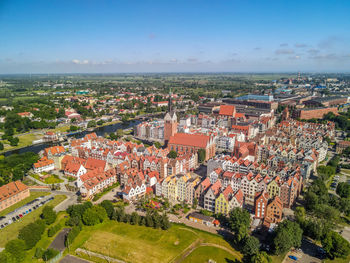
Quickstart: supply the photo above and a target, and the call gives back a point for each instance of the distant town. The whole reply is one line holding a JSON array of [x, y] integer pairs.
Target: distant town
[[254, 166]]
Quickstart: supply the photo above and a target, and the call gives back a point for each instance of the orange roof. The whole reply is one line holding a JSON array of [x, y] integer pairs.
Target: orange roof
[[54, 150], [43, 162], [227, 110], [239, 115], [185, 139], [11, 189]]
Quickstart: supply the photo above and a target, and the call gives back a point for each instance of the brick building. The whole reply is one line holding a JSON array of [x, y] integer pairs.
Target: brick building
[[191, 143], [12, 193], [307, 114], [342, 145]]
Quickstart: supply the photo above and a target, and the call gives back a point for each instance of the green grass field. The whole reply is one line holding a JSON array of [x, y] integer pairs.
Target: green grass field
[[204, 254], [137, 243], [24, 140], [52, 179], [338, 260], [32, 196], [11, 232]]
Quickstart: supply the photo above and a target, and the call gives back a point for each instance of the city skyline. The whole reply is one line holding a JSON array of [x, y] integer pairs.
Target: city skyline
[[162, 36]]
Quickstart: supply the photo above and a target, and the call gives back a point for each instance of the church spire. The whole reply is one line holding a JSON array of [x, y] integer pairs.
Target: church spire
[[170, 102]]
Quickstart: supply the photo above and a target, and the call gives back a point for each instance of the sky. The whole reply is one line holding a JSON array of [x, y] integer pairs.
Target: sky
[[117, 36]]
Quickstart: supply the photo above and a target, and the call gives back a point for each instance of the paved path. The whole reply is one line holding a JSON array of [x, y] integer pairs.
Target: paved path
[[36, 180], [89, 253], [73, 259]]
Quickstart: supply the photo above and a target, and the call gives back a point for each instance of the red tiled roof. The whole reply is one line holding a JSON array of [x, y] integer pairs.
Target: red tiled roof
[[227, 110], [54, 150], [185, 139], [11, 189], [43, 162]]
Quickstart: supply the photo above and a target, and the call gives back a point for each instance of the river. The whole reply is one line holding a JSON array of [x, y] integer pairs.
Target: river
[[100, 131]]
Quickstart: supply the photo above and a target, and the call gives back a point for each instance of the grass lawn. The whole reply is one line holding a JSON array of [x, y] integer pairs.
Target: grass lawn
[[137, 243], [24, 140], [60, 129], [32, 196], [338, 260], [278, 259], [53, 179], [204, 254], [11, 232]]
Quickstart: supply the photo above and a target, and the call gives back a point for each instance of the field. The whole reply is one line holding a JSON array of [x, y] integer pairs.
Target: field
[[204, 254], [24, 140], [137, 243], [60, 129], [32, 196], [11, 232], [338, 260], [52, 179]]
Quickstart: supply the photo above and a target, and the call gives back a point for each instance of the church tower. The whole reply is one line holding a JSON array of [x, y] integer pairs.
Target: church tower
[[170, 121]]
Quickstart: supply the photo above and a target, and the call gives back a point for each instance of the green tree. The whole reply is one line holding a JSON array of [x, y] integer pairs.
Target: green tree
[[149, 220], [261, 257], [343, 189], [335, 245], [16, 248], [250, 246], [165, 224], [287, 235], [94, 215], [239, 220], [172, 154], [108, 206], [135, 218], [157, 145], [49, 254], [31, 234], [49, 215], [1, 146], [201, 155], [91, 124]]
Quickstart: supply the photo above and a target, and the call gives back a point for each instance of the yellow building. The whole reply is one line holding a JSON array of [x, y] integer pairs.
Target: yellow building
[[273, 189], [221, 205]]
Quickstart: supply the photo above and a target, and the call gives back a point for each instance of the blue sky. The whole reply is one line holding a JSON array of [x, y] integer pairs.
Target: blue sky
[[72, 36]]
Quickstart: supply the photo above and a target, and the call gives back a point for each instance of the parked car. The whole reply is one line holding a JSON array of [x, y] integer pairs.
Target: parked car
[[293, 257], [20, 215]]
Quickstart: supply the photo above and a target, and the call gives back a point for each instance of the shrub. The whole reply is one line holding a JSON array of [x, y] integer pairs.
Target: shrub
[[49, 254], [49, 215], [53, 230], [72, 235]]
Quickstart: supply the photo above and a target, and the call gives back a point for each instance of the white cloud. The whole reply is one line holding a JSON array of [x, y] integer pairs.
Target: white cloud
[[284, 51]]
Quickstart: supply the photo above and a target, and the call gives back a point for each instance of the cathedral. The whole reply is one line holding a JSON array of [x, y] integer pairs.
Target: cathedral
[[170, 121]]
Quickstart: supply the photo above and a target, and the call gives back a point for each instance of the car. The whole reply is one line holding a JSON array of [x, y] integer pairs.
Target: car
[[2, 226], [20, 215], [293, 257], [17, 217], [2, 217], [14, 219], [30, 210]]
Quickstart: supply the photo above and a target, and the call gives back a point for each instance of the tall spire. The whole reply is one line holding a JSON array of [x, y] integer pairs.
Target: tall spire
[[170, 102]]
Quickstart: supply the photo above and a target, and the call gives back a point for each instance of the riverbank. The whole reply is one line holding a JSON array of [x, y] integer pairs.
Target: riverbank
[[100, 131], [25, 140]]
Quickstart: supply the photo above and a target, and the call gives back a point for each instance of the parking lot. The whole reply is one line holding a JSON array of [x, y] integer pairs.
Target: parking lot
[[24, 210]]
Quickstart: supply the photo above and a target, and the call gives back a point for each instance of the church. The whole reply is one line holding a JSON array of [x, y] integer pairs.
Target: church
[[185, 142]]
